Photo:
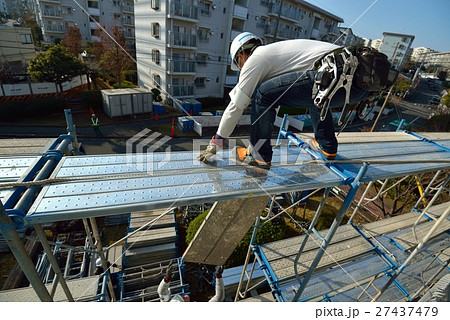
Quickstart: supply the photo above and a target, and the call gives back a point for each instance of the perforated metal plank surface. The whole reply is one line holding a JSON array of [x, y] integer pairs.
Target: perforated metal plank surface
[[284, 268], [365, 137], [392, 146], [84, 289], [340, 278], [288, 247], [407, 239], [12, 168], [180, 181]]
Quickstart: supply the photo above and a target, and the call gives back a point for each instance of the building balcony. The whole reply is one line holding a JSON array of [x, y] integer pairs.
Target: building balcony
[[51, 13], [128, 8], [128, 22], [94, 11], [315, 33], [183, 11], [240, 12], [181, 91], [182, 40], [51, 1], [55, 29], [182, 66], [286, 12]]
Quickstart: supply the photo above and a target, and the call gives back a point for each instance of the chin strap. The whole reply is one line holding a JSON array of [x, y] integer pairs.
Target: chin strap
[[327, 82]]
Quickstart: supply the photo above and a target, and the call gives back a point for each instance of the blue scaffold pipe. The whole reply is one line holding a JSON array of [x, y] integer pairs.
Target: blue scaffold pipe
[[15, 243]]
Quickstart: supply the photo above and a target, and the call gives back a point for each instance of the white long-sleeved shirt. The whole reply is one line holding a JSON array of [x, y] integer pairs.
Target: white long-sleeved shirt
[[267, 62]]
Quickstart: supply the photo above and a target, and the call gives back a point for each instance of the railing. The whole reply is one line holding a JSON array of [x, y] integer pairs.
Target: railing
[[52, 13], [182, 90], [182, 66], [184, 10], [182, 39], [286, 12]]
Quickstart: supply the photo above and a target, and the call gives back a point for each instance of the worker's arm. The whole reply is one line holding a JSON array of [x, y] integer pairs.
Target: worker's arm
[[220, 289], [163, 290]]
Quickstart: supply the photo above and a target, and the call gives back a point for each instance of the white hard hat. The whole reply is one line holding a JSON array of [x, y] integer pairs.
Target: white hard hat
[[98, 262], [239, 42]]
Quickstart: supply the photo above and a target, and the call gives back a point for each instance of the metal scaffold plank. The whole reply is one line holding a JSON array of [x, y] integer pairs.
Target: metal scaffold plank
[[284, 268], [182, 182], [289, 247], [408, 240], [226, 225]]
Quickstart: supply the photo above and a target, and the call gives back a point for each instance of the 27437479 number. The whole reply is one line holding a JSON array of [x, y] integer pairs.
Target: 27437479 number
[[407, 311]]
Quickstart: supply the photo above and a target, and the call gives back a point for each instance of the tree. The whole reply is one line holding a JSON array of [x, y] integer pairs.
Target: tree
[[56, 65], [116, 58], [73, 41]]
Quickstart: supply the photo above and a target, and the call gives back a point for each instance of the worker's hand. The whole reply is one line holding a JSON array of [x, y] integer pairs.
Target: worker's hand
[[215, 145], [219, 271], [169, 271]]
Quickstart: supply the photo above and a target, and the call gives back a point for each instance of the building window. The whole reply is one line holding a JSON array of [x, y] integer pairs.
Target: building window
[[202, 59], [156, 56], [200, 82], [202, 35], [155, 29], [205, 8], [25, 38], [157, 80], [155, 4]]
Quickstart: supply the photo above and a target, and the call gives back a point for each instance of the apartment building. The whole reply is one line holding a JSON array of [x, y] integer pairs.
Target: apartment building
[[397, 47], [348, 38], [16, 48], [56, 17], [420, 54], [182, 45]]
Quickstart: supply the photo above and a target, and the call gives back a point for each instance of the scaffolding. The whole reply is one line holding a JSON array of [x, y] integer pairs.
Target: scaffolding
[[56, 187]]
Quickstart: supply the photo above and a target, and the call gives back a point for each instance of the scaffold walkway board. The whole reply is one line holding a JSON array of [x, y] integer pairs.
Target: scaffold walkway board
[[348, 265], [279, 256], [83, 289], [25, 146], [224, 227], [117, 184]]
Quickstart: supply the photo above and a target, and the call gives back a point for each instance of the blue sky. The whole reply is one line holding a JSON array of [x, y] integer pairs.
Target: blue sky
[[427, 20]]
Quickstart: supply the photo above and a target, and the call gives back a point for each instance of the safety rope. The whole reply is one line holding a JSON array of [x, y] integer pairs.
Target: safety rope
[[9, 185]]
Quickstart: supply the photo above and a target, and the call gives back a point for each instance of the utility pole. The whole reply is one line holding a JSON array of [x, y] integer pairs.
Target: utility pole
[[278, 21]]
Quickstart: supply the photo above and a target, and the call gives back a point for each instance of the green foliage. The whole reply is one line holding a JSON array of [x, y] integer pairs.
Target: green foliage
[[56, 65], [402, 85], [156, 94], [125, 84], [446, 100], [194, 226], [442, 75], [270, 232], [92, 98], [16, 109]]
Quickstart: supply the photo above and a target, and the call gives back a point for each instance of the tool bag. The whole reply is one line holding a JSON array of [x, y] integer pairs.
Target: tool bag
[[372, 73]]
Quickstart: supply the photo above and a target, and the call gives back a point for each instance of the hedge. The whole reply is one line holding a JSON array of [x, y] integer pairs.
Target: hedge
[[16, 109]]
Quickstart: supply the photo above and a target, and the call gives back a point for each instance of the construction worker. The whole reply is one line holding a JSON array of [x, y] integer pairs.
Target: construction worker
[[95, 123], [166, 296], [280, 73]]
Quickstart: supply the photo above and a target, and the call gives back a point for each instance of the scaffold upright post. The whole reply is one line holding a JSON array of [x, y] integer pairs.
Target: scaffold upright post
[[54, 263], [337, 221], [8, 230]]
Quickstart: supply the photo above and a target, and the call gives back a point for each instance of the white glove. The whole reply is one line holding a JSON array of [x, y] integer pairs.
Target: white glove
[[215, 145]]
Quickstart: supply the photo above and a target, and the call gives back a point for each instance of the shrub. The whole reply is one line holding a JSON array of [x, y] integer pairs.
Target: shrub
[[92, 98], [16, 109], [272, 231]]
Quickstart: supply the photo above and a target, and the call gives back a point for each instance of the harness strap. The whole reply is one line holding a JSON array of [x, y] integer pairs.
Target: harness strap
[[330, 79]]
